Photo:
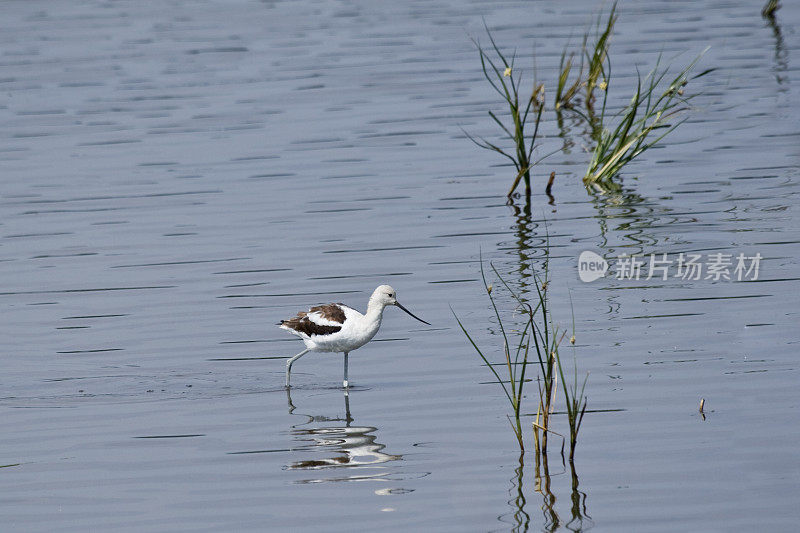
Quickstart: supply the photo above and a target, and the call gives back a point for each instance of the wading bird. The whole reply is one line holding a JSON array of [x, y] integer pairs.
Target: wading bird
[[338, 328]]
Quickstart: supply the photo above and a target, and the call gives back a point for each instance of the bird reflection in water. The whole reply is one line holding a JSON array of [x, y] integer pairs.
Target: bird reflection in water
[[338, 443]]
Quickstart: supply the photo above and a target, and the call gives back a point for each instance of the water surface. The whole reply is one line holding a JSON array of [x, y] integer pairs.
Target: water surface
[[177, 178]]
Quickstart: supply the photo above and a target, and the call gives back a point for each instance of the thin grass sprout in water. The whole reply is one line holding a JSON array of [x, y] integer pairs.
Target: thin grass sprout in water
[[574, 395], [599, 64], [514, 382]]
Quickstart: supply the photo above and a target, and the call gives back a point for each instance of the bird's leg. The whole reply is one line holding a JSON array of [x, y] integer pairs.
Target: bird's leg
[[345, 371], [289, 365], [289, 400], [347, 416]]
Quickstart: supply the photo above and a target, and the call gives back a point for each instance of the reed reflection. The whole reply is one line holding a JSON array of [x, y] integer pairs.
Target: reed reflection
[[626, 219], [520, 519], [547, 483], [528, 246], [543, 486], [781, 58], [580, 521], [626, 222], [337, 443]]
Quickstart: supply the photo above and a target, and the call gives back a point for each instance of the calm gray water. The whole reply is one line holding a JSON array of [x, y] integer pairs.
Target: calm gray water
[[178, 177]]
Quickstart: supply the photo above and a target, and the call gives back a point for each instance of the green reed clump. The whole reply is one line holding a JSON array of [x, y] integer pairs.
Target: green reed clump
[[539, 337], [640, 125], [654, 105], [499, 72]]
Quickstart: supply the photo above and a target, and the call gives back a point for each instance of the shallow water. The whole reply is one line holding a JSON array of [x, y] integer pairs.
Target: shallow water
[[178, 178]]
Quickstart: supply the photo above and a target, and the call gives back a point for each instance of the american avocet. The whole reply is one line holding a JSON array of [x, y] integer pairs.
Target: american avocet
[[338, 328]]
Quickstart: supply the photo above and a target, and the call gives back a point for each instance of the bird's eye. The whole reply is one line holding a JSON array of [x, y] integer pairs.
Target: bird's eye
[[391, 295]]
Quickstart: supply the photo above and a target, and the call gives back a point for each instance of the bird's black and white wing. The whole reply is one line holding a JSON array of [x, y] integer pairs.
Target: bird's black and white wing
[[320, 320]]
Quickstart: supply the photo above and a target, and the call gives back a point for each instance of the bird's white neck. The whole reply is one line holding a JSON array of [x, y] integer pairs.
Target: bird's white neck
[[375, 310]]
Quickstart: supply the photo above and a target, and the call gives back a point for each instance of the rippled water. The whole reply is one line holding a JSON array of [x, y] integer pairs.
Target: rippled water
[[179, 177]]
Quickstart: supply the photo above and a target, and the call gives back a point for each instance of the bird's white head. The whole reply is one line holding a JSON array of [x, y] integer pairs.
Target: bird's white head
[[383, 296]]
